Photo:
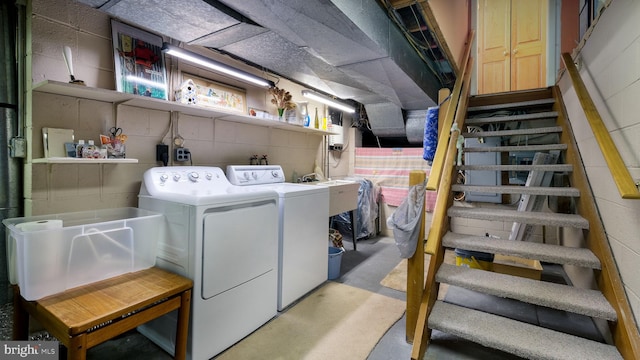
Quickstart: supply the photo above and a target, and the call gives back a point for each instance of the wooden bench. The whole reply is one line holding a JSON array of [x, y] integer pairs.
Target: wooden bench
[[86, 316]]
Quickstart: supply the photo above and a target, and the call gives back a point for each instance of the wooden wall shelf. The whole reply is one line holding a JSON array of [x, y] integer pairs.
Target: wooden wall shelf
[[71, 160], [84, 92]]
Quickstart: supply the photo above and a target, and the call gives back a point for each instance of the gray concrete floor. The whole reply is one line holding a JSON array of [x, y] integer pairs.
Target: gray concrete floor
[[364, 269]]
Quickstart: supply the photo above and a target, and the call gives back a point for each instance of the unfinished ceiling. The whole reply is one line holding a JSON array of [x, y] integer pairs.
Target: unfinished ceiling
[[345, 48]]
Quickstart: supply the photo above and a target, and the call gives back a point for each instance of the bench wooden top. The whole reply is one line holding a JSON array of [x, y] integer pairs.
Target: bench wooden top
[[84, 307]]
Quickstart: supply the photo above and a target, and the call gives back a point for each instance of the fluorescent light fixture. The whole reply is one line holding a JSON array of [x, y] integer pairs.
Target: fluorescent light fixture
[[329, 101], [214, 65]]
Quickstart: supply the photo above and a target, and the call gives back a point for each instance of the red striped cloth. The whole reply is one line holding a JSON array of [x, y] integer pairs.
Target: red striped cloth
[[389, 168]]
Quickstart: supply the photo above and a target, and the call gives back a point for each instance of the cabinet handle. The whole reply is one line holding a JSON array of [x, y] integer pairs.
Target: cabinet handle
[[505, 53], [515, 51]]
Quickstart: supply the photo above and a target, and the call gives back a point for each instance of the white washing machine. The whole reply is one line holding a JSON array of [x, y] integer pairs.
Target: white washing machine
[[304, 228], [227, 242]]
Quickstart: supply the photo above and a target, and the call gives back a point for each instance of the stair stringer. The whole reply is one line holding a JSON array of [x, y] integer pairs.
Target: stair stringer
[[625, 330]]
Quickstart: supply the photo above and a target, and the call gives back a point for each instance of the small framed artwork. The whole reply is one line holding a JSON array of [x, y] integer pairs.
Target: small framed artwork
[[139, 62], [212, 94]]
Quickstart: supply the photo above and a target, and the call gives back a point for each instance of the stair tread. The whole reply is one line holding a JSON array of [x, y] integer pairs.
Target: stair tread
[[525, 340], [519, 117], [562, 297], [517, 189], [528, 103], [529, 131], [525, 217], [494, 167], [555, 254], [513, 148]]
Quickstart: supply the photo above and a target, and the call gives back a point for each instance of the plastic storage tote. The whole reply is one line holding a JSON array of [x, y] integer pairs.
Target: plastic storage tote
[[51, 253]]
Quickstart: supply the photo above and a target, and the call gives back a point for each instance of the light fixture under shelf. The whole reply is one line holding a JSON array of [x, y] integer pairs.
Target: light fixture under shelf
[[334, 103], [214, 65]]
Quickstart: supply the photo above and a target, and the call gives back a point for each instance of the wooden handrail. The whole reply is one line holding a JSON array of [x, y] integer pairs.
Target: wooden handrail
[[438, 160], [438, 223], [626, 186]]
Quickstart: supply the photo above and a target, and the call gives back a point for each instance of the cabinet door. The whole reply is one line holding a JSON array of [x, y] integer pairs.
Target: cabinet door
[[494, 46], [528, 44], [511, 45]]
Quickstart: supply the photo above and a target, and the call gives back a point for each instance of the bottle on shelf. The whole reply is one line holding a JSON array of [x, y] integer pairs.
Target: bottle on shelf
[[316, 123], [79, 148], [324, 119], [89, 151], [304, 114]]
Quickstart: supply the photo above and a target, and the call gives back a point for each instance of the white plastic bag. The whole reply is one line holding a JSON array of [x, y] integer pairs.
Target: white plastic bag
[[405, 220]]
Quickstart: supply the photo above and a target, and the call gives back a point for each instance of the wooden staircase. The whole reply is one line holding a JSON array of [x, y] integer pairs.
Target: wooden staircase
[[516, 118]]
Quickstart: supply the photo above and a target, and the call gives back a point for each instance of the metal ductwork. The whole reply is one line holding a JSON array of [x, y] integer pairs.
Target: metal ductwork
[[386, 119], [345, 48]]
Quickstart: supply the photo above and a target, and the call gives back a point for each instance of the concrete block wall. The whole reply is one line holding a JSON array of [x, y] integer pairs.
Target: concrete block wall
[[610, 67], [54, 188]]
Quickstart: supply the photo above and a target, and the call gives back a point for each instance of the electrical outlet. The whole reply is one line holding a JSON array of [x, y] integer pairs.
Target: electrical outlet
[[182, 154]]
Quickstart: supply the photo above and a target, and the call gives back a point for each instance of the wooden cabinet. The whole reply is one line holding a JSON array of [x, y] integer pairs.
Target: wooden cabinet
[[512, 45]]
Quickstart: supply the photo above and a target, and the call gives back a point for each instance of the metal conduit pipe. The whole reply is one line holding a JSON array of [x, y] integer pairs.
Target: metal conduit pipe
[[11, 125]]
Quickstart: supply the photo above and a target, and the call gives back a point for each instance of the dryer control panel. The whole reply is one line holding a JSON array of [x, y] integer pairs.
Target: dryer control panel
[[187, 180], [255, 174]]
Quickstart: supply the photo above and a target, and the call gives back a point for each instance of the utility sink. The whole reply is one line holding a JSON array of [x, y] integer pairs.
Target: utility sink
[[343, 195], [336, 182]]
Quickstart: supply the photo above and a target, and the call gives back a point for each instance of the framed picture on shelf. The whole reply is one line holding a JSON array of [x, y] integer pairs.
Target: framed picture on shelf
[[139, 62], [213, 94]]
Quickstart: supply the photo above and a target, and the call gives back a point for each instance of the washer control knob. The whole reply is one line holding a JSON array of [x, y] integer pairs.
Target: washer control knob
[[194, 176], [164, 178], [275, 174], [176, 177], [208, 175], [254, 175], [246, 175]]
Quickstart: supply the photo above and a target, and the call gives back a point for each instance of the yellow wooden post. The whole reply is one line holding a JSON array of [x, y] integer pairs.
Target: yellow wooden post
[[415, 267]]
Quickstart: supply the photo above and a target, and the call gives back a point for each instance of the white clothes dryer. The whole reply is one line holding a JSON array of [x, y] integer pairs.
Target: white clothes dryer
[[304, 228], [227, 242]]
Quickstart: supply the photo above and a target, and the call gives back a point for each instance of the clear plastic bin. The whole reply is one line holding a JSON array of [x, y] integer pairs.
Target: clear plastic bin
[[51, 253]]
